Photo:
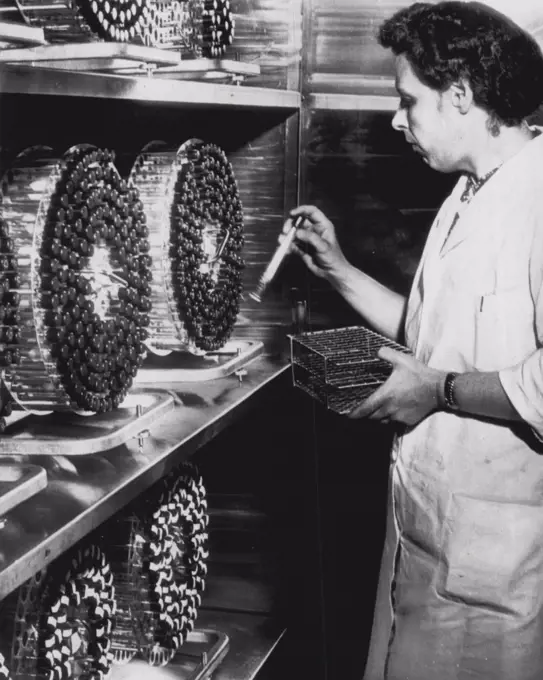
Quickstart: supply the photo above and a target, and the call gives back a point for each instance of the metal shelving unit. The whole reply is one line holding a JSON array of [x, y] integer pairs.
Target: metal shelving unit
[[37, 80], [83, 492]]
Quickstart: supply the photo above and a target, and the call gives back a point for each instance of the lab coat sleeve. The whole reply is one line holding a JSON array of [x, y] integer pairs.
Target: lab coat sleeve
[[523, 383]]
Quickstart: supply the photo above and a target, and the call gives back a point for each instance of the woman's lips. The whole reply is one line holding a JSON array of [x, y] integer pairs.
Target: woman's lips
[[412, 143]]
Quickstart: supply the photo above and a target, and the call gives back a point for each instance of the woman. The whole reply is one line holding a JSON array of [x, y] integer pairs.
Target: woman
[[461, 586]]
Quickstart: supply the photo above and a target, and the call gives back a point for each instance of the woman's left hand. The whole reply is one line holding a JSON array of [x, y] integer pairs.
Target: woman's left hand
[[411, 392]]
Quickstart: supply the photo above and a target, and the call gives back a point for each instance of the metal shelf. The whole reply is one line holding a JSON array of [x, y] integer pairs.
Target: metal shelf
[[70, 434], [128, 60], [352, 102], [84, 491], [18, 483], [251, 641], [184, 367], [36, 80], [92, 56]]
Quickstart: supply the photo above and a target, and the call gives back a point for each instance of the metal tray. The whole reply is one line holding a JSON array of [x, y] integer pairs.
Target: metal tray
[[70, 434], [19, 482], [203, 69], [185, 367], [197, 659], [12, 33], [93, 56], [124, 59]]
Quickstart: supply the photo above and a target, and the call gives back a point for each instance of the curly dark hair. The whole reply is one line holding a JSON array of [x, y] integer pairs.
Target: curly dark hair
[[451, 41]]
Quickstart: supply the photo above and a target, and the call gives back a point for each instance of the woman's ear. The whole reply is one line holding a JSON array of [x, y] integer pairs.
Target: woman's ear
[[461, 96]]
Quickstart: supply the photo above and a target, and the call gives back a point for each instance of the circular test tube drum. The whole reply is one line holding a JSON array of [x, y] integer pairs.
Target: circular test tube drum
[[196, 28], [80, 245], [77, 618], [195, 222], [161, 569], [58, 623], [20, 624], [213, 27], [73, 21]]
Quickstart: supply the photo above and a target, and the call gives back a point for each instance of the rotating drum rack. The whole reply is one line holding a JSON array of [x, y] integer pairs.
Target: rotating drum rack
[[195, 224], [77, 253], [179, 39]]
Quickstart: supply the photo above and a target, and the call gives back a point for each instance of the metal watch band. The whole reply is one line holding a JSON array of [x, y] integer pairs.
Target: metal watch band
[[448, 391]]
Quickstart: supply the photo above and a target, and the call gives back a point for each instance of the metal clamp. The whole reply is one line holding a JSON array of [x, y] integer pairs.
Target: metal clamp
[[220, 249], [143, 434], [149, 68], [240, 373], [176, 398]]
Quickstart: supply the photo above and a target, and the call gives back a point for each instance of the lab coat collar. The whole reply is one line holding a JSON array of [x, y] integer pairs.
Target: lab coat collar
[[515, 173]]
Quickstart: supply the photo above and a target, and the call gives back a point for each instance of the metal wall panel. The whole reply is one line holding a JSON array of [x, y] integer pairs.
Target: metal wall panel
[[379, 194], [268, 32], [345, 56], [267, 178]]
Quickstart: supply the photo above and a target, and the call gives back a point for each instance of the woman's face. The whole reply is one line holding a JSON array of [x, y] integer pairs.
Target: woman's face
[[427, 119]]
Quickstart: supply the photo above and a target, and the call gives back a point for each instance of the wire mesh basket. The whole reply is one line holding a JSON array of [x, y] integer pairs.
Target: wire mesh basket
[[340, 367]]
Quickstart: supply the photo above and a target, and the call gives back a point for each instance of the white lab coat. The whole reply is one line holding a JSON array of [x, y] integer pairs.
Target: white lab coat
[[461, 588]]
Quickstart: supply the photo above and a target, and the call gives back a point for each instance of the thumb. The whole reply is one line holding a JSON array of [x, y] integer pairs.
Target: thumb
[[391, 355]]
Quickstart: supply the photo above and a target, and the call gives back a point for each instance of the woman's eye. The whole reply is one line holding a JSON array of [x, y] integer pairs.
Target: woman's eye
[[405, 103]]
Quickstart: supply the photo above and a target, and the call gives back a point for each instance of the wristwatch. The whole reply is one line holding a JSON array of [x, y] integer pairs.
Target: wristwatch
[[448, 392]]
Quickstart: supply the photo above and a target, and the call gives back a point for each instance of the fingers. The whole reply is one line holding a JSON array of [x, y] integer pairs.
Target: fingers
[[387, 353], [315, 219], [393, 356], [316, 243], [306, 234], [373, 407], [314, 240], [380, 414], [286, 228], [310, 212], [310, 264]]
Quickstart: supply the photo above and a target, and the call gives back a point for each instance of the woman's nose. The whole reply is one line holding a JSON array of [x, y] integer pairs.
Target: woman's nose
[[399, 122]]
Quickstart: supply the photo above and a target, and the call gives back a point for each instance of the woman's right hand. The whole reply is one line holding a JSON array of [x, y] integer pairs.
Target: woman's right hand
[[323, 256]]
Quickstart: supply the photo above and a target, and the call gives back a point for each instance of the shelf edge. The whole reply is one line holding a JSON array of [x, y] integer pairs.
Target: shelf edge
[[352, 102], [163, 455], [36, 80]]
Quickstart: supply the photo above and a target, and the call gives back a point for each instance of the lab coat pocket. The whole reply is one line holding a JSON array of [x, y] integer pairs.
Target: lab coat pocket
[[504, 328], [493, 554]]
